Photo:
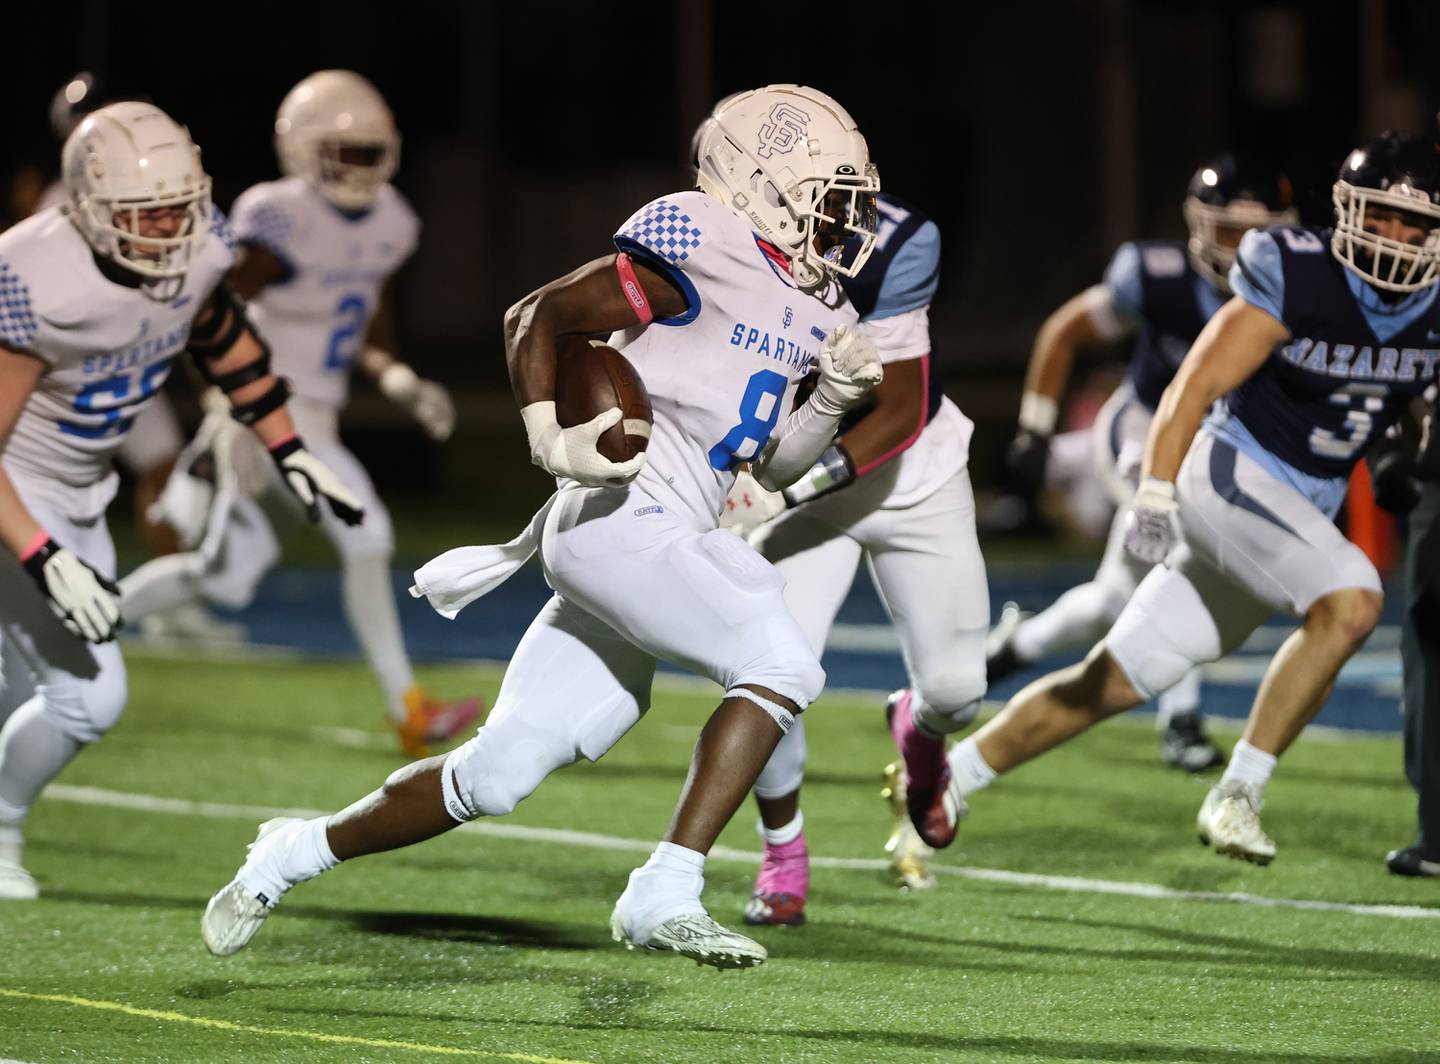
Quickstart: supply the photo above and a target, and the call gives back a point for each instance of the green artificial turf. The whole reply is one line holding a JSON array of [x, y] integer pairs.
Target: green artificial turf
[[484, 947]]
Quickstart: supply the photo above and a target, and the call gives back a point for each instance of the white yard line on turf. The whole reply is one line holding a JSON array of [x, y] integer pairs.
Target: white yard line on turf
[[149, 803]]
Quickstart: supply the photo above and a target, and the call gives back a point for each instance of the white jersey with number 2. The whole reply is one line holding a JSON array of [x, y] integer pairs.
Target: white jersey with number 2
[[315, 318], [722, 376]]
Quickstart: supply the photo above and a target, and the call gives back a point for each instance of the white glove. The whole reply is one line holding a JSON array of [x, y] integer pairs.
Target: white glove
[[87, 603], [1149, 528], [311, 480], [849, 368], [572, 452], [427, 402], [749, 505]]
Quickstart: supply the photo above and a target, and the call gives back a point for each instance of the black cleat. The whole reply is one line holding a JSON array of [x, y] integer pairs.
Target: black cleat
[[1000, 658], [1184, 744], [1410, 862]]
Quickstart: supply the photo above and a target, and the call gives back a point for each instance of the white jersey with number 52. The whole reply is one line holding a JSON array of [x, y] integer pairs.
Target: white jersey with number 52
[[315, 319], [722, 376], [107, 348]]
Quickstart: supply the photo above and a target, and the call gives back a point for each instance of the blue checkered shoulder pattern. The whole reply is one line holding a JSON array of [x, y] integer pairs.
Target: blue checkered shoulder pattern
[[666, 230], [17, 320], [221, 227]]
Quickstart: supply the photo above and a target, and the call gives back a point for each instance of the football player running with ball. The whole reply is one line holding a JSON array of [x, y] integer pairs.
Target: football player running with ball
[[721, 299], [894, 488], [97, 300], [1161, 292], [1330, 335], [320, 247]]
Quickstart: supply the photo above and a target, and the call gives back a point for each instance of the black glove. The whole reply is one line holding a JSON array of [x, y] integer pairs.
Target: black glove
[[1025, 461], [1393, 482]]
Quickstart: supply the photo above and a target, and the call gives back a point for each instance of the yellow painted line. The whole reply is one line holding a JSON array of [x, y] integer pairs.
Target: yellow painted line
[[277, 1032]]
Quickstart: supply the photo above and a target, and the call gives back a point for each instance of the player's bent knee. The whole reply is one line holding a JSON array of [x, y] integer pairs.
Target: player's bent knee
[[85, 711], [1352, 612]]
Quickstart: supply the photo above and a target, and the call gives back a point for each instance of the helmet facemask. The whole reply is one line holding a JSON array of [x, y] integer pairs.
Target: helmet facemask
[[1392, 265], [349, 171], [1210, 253]]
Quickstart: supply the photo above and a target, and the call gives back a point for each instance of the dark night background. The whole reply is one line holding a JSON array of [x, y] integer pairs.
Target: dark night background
[[1038, 135]]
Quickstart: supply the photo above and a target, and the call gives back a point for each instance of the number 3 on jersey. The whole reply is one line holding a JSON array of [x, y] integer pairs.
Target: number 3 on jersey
[[350, 321], [759, 412]]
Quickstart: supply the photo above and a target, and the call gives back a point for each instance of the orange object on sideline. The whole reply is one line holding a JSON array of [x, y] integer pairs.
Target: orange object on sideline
[[1370, 528]]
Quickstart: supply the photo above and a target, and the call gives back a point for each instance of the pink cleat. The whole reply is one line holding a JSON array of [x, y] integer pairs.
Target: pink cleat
[[429, 721], [927, 773], [780, 888]]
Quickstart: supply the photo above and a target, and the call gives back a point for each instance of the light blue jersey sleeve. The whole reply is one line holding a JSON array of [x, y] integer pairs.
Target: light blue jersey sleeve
[[912, 276], [1258, 277], [1122, 281]]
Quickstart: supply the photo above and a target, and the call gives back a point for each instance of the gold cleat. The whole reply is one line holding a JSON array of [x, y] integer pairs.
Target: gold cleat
[[909, 856]]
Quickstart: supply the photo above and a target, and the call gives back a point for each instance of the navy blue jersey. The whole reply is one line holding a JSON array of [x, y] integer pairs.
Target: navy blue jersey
[[1353, 361], [1152, 284], [901, 274]]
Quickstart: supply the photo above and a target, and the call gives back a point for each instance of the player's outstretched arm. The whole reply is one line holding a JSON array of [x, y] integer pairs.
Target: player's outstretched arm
[[428, 402], [1232, 347], [231, 356], [87, 603], [1088, 318], [603, 296]]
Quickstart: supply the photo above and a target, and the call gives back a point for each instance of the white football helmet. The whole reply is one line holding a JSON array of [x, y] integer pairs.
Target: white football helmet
[[335, 130], [791, 160], [127, 158]]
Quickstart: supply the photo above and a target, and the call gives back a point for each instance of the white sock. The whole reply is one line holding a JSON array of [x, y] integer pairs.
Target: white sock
[[969, 768], [302, 853], [33, 750], [1080, 617], [780, 836], [1182, 698], [370, 608], [1249, 764]]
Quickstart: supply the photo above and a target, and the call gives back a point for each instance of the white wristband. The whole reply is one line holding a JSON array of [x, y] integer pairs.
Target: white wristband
[[538, 417], [1038, 413], [398, 381], [1155, 486]]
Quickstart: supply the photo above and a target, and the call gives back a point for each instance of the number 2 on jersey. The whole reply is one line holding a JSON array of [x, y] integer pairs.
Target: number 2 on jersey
[[759, 411], [351, 317]]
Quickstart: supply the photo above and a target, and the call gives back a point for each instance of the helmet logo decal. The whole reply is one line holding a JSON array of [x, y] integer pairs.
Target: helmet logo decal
[[784, 126]]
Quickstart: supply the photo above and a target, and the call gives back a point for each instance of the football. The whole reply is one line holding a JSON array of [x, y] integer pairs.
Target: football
[[590, 378]]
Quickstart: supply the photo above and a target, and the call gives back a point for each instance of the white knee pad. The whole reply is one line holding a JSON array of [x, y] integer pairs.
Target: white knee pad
[[85, 711], [950, 696], [509, 757], [1164, 632], [785, 770]]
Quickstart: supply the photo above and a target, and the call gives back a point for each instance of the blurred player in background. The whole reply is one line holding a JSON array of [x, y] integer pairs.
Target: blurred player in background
[[722, 299], [97, 300], [893, 489], [1330, 335], [1161, 293], [321, 246], [154, 441]]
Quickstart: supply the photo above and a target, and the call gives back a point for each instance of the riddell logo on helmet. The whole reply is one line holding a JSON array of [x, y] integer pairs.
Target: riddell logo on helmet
[[785, 127]]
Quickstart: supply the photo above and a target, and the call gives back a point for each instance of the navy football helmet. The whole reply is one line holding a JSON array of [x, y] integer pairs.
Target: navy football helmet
[[1227, 196], [1388, 177]]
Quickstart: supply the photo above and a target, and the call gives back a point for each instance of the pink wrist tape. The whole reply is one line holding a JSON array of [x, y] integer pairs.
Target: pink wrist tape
[[33, 547]]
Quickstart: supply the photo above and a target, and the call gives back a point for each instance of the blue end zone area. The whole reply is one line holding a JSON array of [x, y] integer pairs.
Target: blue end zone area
[[300, 609]]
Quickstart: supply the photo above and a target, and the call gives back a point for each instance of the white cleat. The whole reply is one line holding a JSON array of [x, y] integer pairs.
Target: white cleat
[[231, 919], [697, 936], [236, 912], [16, 884], [1229, 821]]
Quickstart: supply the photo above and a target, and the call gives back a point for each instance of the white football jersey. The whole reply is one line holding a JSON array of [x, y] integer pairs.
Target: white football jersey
[[315, 320], [107, 347], [722, 376]]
